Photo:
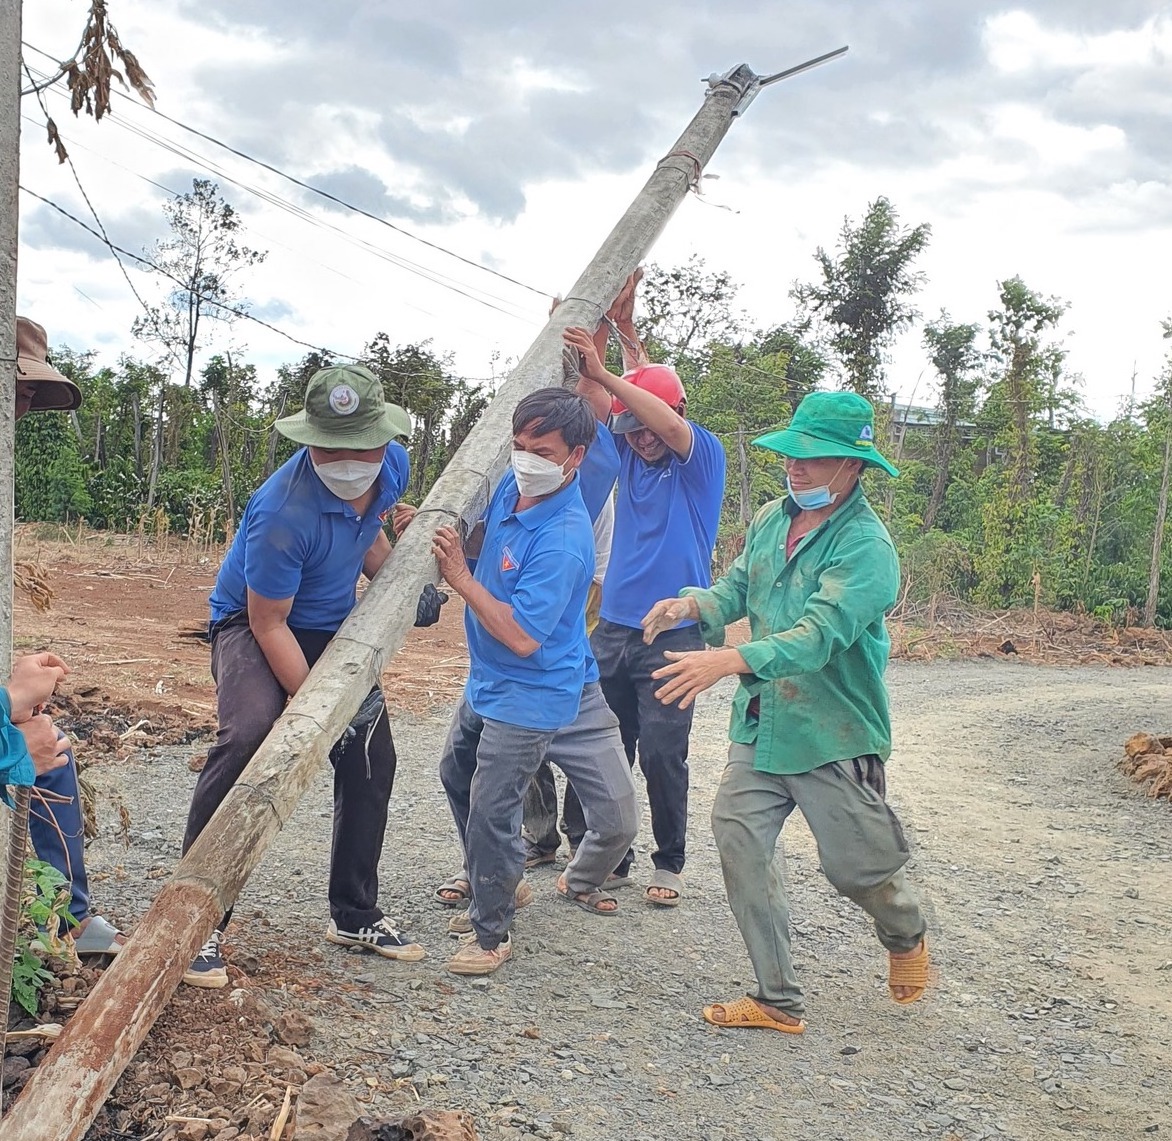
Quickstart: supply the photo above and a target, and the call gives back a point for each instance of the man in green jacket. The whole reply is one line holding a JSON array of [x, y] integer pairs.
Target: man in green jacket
[[810, 726]]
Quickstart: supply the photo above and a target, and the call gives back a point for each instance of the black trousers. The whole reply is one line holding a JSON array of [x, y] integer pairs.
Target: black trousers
[[655, 733], [249, 699]]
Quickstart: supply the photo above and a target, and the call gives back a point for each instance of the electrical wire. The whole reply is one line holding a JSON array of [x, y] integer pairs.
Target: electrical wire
[[150, 313], [481, 297], [268, 239], [317, 190], [238, 312]]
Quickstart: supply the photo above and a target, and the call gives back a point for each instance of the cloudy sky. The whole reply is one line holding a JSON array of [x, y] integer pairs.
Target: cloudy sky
[[1032, 137]]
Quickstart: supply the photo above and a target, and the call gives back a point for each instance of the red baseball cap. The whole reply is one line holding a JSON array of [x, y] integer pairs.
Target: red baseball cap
[[657, 379]]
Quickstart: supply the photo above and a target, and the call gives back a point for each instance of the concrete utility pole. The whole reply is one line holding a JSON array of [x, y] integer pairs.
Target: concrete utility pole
[[9, 181], [111, 1024]]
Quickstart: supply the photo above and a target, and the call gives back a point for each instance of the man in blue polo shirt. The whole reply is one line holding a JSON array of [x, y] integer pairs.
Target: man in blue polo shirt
[[532, 687], [286, 585], [596, 480], [667, 510]]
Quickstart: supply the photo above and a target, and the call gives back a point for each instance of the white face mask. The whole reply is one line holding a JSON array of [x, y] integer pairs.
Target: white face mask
[[537, 476], [348, 479]]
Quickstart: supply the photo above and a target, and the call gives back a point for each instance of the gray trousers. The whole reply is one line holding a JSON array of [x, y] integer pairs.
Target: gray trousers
[[486, 768], [861, 847]]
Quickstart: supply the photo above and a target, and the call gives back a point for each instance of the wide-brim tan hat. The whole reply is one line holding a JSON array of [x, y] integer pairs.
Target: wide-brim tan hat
[[55, 391]]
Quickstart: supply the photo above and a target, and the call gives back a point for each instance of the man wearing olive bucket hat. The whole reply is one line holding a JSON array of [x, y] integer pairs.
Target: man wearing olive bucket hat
[[285, 587], [810, 727]]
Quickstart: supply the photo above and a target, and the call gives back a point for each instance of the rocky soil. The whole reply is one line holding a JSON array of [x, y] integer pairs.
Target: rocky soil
[[1047, 877]]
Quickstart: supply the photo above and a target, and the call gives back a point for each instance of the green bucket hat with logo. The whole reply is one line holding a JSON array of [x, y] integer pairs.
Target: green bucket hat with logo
[[345, 408], [829, 425]]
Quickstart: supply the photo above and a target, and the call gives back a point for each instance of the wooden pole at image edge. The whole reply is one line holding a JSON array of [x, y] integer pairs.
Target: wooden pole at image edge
[[68, 1088]]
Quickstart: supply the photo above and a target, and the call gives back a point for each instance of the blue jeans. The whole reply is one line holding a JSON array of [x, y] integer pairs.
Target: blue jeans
[[58, 833]]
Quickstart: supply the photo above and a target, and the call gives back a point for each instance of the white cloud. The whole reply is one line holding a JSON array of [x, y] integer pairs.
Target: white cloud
[[1032, 139]]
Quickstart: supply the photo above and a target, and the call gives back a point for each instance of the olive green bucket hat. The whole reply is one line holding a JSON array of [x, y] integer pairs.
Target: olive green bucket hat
[[345, 408], [829, 425]]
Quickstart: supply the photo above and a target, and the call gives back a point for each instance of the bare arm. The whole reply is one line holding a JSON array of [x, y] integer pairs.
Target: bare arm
[[622, 313], [377, 555], [494, 615], [268, 619], [649, 410]]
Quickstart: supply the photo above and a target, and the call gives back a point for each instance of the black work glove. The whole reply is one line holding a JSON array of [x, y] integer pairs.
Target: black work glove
[[427, 609], [372, 708]]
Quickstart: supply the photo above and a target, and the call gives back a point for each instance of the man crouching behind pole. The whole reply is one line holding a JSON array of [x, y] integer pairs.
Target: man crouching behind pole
[[810, 726], [532, 691]]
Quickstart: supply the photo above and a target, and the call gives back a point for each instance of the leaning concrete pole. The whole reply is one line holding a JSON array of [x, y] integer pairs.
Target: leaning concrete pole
[[67, 1089]]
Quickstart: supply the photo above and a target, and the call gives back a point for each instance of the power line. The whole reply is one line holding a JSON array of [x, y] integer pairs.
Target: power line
[[238, 312], [151, 315], [322, 193], [481, 297], [74, 144]]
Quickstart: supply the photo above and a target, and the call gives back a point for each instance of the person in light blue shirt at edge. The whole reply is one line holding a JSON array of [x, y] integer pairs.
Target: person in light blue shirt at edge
[[667, 511], [532, 688]]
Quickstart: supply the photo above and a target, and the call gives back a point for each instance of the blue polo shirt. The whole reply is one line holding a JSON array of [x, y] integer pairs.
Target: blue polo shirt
[[298, 540], [665, 522], [541, 562], [598, 472]]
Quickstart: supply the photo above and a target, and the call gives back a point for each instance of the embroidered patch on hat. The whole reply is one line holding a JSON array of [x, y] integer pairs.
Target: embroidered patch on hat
[[866, 436], [508, 560], [343, 400]]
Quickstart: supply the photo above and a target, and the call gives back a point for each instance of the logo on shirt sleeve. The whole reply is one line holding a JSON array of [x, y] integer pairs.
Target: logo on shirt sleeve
[[508, 560]]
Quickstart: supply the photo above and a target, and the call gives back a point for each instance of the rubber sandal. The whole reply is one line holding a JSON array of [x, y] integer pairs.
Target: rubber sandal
[[455, 884], [100, 937], [591, 902], [536, 859], [613, 882], [667, 881], [461, 924], [911, 972], [745, 1014]]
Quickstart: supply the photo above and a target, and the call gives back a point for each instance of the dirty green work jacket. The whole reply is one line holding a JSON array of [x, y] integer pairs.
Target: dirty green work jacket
[[819, 644]]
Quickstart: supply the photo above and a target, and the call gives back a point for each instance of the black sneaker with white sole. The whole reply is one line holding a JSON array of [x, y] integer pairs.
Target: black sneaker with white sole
[[381, 938], [207, 968]]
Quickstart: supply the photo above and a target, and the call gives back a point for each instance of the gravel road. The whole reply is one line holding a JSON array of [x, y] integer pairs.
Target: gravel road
[[1048, 882]]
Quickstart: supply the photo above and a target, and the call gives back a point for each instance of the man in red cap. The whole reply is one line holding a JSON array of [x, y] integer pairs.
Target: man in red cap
[[667, 510]]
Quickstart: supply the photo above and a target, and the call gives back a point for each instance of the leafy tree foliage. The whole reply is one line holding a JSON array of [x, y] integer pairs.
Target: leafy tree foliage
[[862, 299], [1009, 492]]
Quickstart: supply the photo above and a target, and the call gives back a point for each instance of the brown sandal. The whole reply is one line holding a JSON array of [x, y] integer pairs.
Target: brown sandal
[[911, 973], [745, 1013]]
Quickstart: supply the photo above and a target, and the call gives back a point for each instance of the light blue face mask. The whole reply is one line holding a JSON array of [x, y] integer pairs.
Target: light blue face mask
[[813, 498]]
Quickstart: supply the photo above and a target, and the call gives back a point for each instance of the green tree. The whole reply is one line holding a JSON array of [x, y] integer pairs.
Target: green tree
[[954, 354], [1018, 516], [200, 260], [684, 309], [862, 298], [50, 477]]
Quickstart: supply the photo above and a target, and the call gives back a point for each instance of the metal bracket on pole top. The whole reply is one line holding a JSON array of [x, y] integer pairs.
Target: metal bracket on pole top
[[749, 84]]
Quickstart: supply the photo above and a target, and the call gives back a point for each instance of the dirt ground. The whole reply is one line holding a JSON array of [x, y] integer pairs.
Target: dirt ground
[[1047, 878]]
